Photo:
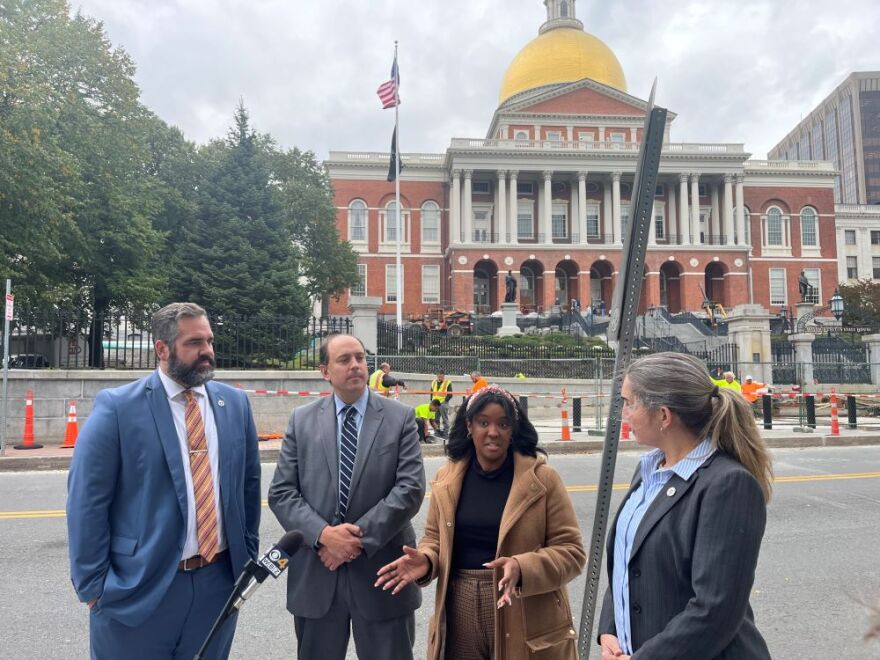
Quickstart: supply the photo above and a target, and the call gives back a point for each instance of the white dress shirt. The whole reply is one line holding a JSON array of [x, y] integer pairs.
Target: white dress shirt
[[177, 403]]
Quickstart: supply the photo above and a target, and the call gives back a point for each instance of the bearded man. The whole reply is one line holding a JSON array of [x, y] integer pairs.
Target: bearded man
[[163, 505]]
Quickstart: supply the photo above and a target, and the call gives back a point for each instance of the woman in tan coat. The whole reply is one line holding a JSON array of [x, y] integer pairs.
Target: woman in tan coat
[[502, 541]]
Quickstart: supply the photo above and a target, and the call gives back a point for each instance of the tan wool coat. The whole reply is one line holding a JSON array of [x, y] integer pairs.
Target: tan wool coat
[[538, 528]]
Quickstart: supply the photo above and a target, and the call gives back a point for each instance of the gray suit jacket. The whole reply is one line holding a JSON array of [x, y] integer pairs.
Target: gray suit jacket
[[692, 567], [387, 489]]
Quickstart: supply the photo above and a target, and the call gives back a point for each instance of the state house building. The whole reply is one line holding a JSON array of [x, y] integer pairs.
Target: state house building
[[546, 195]]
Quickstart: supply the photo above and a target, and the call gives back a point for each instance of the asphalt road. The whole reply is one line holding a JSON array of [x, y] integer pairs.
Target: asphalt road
[[819, 561]]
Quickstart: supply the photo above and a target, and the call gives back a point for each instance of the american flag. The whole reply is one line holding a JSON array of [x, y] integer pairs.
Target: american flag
[[388, 91]]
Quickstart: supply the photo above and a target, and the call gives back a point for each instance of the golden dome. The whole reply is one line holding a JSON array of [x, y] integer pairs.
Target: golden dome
[[558, 56]]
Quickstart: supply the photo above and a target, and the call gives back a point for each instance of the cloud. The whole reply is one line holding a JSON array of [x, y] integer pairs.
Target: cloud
[[743, 71]]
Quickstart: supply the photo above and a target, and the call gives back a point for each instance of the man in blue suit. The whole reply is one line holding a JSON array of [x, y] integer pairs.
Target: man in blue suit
[[163, 505]]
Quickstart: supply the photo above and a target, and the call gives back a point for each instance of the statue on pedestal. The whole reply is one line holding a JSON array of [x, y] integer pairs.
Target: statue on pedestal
[[510, 288], [805, 287]]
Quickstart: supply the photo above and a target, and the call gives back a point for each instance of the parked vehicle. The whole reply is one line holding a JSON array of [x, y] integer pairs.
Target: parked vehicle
[[28, 361]]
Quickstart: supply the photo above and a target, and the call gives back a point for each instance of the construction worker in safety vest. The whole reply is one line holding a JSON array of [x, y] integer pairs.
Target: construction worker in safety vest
[[427, 414], [441, 391], [478, 382], [753, 390], [382, 381], [728, 380]]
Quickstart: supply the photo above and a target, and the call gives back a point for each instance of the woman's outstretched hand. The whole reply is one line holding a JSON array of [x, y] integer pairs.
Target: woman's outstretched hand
[[412, 566], [509, 578]]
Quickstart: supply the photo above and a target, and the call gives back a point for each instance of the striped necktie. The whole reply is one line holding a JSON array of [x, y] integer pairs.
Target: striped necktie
[[347, 453], [203, 480]]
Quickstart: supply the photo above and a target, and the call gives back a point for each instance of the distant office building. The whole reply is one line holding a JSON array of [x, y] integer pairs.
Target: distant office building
[[844, 129]]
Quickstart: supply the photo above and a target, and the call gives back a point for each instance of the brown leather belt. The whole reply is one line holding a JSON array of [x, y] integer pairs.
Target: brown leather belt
[[197, 561]]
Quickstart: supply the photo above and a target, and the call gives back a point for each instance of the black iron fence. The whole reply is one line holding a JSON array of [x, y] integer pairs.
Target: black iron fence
[[78, 339]]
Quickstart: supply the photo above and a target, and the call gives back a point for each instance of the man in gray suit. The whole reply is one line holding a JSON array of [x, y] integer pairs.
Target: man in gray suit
[[350, 477]]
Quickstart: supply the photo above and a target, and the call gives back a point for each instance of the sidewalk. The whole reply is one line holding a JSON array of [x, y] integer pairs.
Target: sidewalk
[[53, 457]]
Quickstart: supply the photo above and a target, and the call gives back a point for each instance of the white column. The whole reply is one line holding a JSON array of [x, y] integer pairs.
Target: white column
[[607, 221], [740, 212], [455, 209], [633, 134], [582, 205], [684, 214], [548, 207], [615, 207], [728, 209], [512, 209], [574, 214], [601, 134], [672, 216], [695, 209], [715, 227], [468, 208], [501, 210]]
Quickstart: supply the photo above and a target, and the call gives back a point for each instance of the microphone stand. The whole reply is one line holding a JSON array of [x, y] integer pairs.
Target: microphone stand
[[251, 570]]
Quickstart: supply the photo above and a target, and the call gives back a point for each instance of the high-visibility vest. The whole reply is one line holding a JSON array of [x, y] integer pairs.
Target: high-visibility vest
[[424, 412], [376, 382], [440, 388]]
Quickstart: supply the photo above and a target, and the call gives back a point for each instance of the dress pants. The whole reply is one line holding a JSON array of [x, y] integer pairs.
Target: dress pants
[[327, 638], [470, 615], [178, 627]]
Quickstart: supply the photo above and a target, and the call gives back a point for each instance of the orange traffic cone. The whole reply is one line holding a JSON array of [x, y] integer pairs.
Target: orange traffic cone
[[566, 432], [624, 430], [27, 439], [835, 423], [72, 428]]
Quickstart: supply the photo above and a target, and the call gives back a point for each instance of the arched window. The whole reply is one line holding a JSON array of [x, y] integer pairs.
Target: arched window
[[563, 9], [774, 226], [357, 221], [430, 223], [809, 227]]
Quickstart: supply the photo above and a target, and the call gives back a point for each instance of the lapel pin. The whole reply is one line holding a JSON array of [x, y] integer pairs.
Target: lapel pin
[[221, 402], [670, 491]]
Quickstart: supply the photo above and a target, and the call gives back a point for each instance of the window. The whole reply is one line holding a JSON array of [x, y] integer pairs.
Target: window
[[560, 220], [849, 236], [814, 277], [875, 263], [521, 135], [875, 238], [430, 284], [777, 286], [554, 136], [701, 190], [390, 222], [525, 188], [525, 225], [852, 268], [587, 138], [480, 187], [618, 138], [774, 226], [624, 219], [658, 191], [357, 221], [391, 282], [809, 231], [659, 226], [593, 220], [360, 289], [482, 220], [430, 222]]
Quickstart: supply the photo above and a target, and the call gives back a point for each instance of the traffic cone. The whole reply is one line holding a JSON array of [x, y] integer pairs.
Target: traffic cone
[[624, 430], [27, 439], [835, 423], [566, 433], [72, 428]]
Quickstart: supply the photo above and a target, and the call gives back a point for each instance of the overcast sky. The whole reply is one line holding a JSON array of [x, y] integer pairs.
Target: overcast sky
[[733, 70]]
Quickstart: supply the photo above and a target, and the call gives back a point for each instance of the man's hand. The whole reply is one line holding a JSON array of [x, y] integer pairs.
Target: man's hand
[[340, 544], [611, 648]]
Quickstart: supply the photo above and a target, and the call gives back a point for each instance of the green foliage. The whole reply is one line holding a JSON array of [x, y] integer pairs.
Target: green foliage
[[861, 301]]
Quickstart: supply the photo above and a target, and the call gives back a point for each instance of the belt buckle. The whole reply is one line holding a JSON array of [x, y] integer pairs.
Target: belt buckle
[[187, 569]]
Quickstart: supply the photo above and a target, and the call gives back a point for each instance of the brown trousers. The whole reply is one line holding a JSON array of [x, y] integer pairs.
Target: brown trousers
[[470, 615]]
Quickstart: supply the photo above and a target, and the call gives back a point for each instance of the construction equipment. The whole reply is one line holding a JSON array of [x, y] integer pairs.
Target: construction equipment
[[714, 310], [454, 323]]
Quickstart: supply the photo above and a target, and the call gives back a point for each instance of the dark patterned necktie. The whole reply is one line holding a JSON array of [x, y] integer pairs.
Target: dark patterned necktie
[[347, 453]]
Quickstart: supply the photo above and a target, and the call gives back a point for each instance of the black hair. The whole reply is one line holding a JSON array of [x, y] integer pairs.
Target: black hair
[[324, 350], [523, 440]]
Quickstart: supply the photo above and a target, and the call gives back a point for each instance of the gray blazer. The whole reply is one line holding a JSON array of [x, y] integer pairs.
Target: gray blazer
[[692, 568], [387, 489]]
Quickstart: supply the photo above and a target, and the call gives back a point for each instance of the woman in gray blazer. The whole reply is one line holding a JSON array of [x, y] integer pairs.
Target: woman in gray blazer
[[684, 545]]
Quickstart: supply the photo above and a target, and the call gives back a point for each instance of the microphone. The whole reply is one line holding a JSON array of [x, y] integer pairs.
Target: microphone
[[273, 563]]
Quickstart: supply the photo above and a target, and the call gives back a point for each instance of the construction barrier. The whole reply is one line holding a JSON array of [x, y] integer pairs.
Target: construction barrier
[[624, 430], [27, 438], [72, 428], [835, 423], [566, 433]]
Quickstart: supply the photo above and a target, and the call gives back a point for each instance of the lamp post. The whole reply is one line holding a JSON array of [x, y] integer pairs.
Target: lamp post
[[836, 304]]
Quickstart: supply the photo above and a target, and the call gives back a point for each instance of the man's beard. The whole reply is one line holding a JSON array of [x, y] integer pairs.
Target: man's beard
[[190, 375]]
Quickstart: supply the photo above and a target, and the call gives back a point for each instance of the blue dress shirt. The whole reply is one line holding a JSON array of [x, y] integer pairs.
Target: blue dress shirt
[[634, 509]]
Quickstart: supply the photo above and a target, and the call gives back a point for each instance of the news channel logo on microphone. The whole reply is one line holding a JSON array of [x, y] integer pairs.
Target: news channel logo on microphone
[[275, 561]]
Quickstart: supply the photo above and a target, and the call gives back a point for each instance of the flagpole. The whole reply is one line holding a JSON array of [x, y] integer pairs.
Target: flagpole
[[397, 268]]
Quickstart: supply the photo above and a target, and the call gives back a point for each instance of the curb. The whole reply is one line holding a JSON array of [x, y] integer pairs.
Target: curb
[[47, 463]]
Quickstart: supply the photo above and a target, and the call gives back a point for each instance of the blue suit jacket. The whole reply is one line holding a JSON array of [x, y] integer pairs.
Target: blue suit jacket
[[127, 503]]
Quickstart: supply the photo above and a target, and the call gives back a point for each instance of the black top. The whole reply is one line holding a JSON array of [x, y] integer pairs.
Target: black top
[[478, 517]]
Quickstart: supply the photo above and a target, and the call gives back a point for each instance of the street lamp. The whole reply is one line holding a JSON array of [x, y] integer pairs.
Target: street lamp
[[836, 304]]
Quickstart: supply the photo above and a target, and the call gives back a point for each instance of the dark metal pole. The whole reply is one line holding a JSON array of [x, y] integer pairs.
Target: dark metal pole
[[767, 408], [851, 411], [576, 414], [810, 401]]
